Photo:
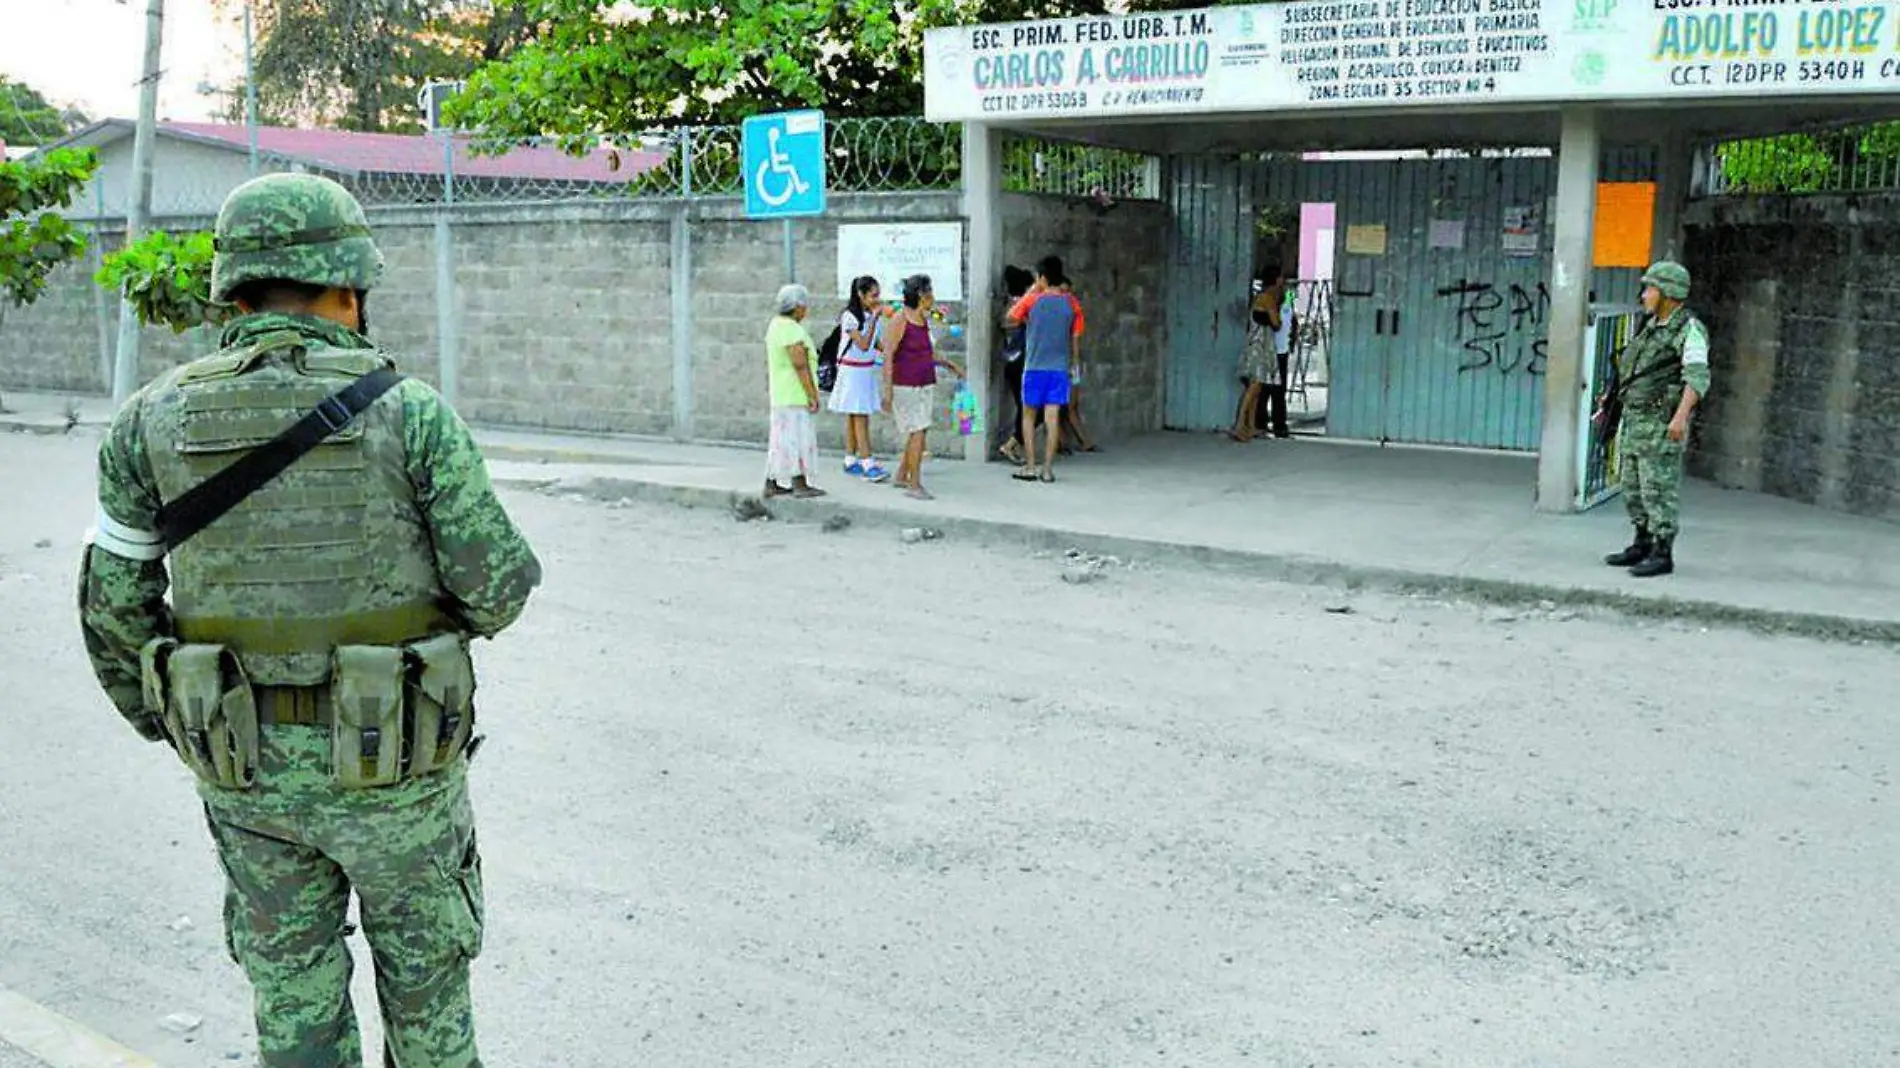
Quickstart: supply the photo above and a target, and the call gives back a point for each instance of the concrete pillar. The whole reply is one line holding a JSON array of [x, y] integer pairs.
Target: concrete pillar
[[982, 207], [1674, 160], [681, 291], [1557, 474], [448, 345]]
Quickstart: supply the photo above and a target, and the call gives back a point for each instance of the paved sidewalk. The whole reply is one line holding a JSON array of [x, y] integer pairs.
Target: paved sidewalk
[[1306, 510], [1312, 510]]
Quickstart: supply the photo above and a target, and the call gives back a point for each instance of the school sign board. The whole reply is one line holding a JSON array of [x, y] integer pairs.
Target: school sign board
[[1347, 54]]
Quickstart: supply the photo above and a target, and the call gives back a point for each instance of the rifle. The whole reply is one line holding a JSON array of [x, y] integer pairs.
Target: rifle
[[1609, 414]]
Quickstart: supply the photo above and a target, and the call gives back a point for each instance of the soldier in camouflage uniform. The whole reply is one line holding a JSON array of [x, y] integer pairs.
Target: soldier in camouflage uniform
[[1666, 369], [312, 666]]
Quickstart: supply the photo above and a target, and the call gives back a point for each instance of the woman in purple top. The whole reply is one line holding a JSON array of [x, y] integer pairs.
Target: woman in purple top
[[910, 379]]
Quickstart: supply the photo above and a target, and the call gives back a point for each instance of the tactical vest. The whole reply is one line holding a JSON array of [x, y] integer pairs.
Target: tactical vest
[[332, 552], [1653, 364]]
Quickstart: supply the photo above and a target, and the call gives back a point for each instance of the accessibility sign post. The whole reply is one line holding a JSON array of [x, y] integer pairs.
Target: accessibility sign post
[[782, 160]]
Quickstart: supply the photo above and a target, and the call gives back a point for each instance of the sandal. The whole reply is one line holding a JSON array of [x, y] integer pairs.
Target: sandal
[[918, 493], [1047, 476], [808, 493], [1024, 474]]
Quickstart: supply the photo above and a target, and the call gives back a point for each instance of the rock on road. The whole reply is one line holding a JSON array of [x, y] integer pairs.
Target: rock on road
[[759, 795]]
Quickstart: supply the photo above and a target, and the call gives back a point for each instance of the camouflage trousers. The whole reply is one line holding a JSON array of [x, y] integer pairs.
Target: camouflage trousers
[[293, 849], [1650, 474]]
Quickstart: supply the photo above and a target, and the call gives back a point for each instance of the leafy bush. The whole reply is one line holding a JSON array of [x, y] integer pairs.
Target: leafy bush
[[34, 240], [166, 279]]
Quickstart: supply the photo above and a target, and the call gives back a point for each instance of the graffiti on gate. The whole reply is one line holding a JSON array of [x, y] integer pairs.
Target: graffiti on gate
[[1503, 329]]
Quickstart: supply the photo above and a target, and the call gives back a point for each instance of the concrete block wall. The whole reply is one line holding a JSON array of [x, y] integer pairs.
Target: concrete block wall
[[564, 312], [737, 267], [64, 342], [1802, 297], [561, 315]]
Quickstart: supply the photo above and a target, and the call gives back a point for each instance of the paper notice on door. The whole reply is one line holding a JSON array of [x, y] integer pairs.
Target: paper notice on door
[[1365, 239], [1522, 227], [1625, 221], [1447, 233]]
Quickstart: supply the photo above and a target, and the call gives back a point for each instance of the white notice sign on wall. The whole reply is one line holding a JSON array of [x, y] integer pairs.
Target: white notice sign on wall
[[892, 252]]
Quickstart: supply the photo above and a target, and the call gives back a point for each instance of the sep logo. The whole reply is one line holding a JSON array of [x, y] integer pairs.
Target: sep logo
[[1592, 16]]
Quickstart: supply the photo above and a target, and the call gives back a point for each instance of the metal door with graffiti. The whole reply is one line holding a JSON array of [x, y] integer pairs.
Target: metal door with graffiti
[[1441, 309], [1471, 305]]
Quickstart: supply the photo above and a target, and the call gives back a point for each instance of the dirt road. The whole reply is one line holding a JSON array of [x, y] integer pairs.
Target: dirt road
[[758, 795]]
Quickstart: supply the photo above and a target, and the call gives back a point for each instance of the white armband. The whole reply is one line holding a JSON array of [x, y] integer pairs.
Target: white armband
[[120, 540], [1695, 344]]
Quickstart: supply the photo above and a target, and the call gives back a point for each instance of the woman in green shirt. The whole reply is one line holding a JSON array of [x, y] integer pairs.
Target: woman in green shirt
[[792, 451]]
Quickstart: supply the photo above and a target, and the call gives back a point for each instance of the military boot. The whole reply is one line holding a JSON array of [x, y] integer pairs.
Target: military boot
[[1637, 552], [1660, 561]]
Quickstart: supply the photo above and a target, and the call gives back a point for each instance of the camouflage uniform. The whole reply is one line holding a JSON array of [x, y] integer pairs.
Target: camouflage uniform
[[384, 546], [1660, 360]]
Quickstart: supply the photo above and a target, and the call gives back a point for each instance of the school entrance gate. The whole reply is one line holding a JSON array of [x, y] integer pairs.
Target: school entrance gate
[[1215, 87], [1436, 311]]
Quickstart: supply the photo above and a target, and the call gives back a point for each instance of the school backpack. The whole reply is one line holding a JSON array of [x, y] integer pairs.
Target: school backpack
[[828, 359]]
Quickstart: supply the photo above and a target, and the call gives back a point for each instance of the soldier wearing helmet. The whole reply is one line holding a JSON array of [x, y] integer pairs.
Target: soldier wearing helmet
[[1664, 374], [312, 664]]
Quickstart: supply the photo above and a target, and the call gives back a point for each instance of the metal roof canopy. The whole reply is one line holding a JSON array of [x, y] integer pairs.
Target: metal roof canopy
[[1467, 126]]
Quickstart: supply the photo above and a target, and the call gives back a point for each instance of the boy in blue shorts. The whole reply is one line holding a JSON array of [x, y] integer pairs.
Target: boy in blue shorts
[[1052, 323]]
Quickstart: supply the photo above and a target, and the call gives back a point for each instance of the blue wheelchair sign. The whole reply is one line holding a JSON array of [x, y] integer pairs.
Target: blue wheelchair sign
[[783, 158]]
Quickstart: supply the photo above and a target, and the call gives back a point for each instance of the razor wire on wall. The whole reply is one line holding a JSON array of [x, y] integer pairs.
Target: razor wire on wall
[[864, 155]]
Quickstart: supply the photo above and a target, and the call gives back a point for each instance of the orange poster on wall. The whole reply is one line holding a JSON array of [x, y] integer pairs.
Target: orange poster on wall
[[1626, 221]]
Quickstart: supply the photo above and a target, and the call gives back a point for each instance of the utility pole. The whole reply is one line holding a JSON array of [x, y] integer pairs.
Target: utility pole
[[250, 88], [125, 375]]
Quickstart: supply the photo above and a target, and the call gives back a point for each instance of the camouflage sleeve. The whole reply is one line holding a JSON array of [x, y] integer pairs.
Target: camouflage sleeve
[[122, 578], [481, 557], [1695, 358]]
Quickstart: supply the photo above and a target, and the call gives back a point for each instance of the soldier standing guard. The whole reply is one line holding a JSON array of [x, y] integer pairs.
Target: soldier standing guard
[[312, 667], [1665, 375]]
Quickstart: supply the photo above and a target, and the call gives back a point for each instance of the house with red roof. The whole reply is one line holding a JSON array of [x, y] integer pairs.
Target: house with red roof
[[196, 164]]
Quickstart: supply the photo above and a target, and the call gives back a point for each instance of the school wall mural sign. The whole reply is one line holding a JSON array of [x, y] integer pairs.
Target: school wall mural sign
[[1309, 54]]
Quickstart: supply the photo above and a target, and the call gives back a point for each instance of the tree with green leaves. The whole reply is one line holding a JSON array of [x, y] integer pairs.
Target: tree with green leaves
[[601, 66], [34, 237], [27, 118], [598, 66], [359, 64]]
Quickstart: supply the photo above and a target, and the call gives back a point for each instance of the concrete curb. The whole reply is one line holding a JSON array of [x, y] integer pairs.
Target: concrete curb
[[15, 424], [1291, 568]]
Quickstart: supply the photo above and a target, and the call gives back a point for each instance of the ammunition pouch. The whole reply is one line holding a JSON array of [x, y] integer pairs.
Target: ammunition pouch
[[400, 712], [441, 696], [202, 696], [366, 702]]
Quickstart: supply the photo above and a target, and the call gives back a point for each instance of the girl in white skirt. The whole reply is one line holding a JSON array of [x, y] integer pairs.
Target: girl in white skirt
[[858, 393]]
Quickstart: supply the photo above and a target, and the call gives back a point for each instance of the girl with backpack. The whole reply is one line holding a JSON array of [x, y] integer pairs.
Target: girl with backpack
[[857, 393]]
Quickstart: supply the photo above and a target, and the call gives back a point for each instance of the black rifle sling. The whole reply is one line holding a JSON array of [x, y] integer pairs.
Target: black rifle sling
[[1652, 372], [203, 504]]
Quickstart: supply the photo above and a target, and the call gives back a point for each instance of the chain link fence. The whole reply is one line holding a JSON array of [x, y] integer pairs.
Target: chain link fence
[[1860, 159]]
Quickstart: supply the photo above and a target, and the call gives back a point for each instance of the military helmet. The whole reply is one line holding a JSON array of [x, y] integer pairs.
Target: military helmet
[[293, 228], [1670, 278]]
